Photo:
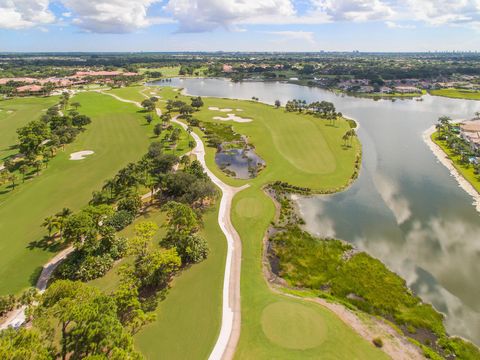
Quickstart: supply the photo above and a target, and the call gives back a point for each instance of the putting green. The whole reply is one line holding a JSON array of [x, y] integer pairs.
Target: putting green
[[251, 207], [293, 326]]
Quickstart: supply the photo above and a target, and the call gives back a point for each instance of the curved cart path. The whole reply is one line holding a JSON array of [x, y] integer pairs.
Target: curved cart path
[[230, 329]]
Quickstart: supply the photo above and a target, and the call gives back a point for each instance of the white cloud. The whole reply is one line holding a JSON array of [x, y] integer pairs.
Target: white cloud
[[110, 16], [393, 198], [307, 36], [354, 10], [22, 14], [443, 12], [207, 15], [394, 25]]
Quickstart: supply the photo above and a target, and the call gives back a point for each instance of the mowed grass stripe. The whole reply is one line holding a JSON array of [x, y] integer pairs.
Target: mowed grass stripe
[[117, 134], [16, 113]]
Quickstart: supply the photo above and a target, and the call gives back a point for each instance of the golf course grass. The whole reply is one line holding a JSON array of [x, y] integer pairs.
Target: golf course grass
[[118, 135], [457, 93], [16, 113], [303, 151]]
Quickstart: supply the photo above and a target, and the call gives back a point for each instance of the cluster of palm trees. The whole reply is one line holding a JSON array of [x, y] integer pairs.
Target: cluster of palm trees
[[448, 132], [348, 137], [322, 109], [55, 223]]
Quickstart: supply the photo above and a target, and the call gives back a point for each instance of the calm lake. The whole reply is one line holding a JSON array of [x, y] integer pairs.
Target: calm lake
[[405, 208]]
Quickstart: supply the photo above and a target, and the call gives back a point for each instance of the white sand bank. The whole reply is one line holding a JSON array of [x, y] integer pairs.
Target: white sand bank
[[444, 159]]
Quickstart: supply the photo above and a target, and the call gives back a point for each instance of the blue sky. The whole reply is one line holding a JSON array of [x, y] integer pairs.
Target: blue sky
[[239, 25]]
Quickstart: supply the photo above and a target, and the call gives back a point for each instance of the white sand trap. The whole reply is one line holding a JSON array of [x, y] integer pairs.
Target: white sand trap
[[80, 155], [232, 117], [2, 167], [214, 108], [238, 109]]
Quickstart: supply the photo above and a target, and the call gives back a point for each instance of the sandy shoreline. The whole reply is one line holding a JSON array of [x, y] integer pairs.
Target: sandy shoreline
[[444, 159]]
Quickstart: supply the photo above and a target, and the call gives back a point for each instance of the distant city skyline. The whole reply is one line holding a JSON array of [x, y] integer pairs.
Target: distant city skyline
[[239, 25]]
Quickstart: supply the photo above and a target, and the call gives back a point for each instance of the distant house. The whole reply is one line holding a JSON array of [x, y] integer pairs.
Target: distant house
[[407, 90], [26, 80], [227, 68], [470, 131], [29, 90]]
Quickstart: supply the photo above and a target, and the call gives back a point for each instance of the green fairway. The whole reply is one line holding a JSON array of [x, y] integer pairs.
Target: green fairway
[[117, 135], [457, 93], [130, 93], [304, 151], [16, 113], [188, 320]]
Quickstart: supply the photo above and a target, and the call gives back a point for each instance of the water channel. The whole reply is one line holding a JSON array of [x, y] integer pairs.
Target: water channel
[[405, 208]]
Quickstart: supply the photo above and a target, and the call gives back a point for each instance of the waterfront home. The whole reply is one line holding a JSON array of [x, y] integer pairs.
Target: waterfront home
[[470, 131]]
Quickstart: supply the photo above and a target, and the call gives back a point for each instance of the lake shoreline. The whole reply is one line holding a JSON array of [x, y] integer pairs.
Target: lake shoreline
[[445, 160]]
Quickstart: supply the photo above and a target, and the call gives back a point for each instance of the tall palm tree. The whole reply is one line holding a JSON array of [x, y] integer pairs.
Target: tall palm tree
[[51, 223]]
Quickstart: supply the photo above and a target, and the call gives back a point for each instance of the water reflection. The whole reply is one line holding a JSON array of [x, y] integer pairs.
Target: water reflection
[[405, 208]]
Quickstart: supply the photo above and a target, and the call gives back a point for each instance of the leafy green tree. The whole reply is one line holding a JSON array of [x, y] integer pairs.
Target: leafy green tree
[[157, 130], [86, 318], [197, 102], [148, 105], [24, 344], [149, 118]]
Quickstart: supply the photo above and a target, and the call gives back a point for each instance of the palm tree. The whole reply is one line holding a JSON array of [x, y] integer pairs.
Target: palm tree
[[345, 138], [12, 178], [110, 184], [23, 170], [76, 105], [51, 223], [61, 218]]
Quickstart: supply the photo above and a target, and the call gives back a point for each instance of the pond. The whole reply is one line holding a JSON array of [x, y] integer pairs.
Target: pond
[[405, 208], [241, 163]]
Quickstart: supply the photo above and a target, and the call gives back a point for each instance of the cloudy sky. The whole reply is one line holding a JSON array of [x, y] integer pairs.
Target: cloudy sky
[[239, 25]]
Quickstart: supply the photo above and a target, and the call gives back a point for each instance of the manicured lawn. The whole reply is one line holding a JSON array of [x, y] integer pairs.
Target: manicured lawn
[[172, 71], [188, 320], [457, 93], [466, 171], [16, 113], [118, 135], [303, 151], [193, 304], [130, 93]]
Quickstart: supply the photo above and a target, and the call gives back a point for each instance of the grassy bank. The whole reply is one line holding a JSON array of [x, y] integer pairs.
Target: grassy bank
[[467, 170], [457, 93], [118, 135]]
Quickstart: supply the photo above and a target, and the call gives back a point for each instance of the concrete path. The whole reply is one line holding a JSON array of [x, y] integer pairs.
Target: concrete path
[[17, 317]]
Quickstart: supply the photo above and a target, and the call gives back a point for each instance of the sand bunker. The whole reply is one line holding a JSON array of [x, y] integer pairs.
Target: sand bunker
[[238, 109], [214, 108], [80, 155], [232, 117]]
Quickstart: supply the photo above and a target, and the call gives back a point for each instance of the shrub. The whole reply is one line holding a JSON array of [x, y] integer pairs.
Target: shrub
[[120, 220], [7, 303], [378, 342]]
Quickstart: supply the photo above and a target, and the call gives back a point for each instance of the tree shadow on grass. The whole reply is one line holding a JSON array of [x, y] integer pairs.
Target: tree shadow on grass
[[48, 244], [35, 275]]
